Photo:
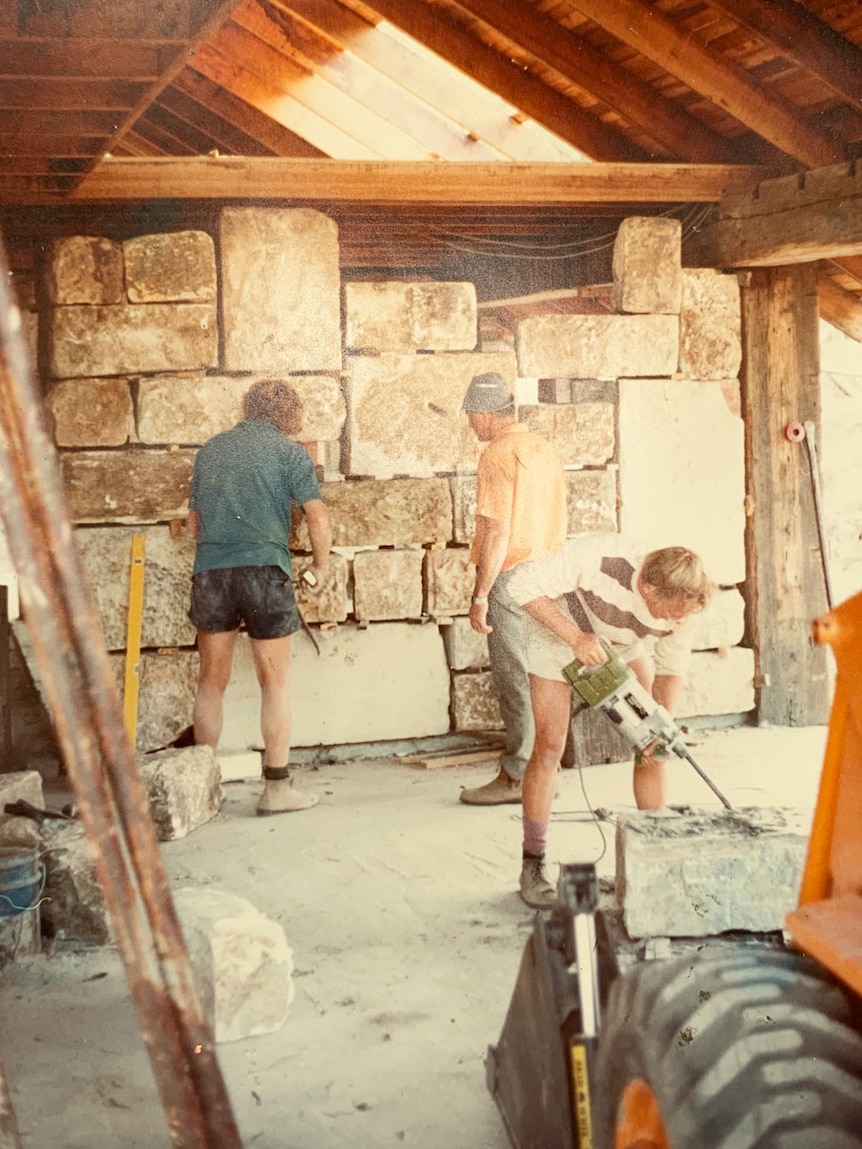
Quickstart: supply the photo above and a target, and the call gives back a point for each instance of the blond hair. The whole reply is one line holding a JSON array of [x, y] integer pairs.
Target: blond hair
[[675, 572], [276, 402]]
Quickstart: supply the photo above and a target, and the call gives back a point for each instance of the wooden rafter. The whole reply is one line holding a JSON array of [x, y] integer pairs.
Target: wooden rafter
[[839, 307]]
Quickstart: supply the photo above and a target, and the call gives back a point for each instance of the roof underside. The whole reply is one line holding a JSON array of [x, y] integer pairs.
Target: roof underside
[[381, 105]]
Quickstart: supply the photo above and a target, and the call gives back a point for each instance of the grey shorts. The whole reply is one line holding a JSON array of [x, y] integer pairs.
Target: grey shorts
[[261, 597]]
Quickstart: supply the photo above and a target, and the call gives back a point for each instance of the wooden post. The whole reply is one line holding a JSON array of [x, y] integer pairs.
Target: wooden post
[[781, 386]]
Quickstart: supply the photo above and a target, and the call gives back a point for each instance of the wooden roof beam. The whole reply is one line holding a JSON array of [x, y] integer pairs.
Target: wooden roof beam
[[433, 182], [792, 219], [551, 109], [670, 45], [840, 308], [572, 56]]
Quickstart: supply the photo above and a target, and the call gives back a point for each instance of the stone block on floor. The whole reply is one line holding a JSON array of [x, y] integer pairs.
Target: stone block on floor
[[74, 908], [694, 873], [183, 787], [242, 963]]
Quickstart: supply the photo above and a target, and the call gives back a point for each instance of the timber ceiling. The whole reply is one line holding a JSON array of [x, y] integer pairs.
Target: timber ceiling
[[373, 112]]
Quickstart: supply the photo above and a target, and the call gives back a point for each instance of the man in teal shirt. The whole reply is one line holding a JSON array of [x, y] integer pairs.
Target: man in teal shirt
[[243, 483]]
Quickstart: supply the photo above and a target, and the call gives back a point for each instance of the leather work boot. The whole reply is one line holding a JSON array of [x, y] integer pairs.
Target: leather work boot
[[497, 792], [279, 796], [536, 888]]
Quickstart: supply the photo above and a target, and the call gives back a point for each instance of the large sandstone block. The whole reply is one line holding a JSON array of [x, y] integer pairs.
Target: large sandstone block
[[166, 693], [710, 325], [183, 788], [386, 681], [179, 409], [405, 412], [74, 908], [646, 266], [387, 584], [463, 488], [466, 649], [127, 486], [327, 602], [91, 412], [281, 290], [449, 581], [718, 683], [583, 433], [106, 555], [682, 472], [591, 501], [401, 316], [722, 623], [598, 346], [474, 702], [714, 872], [242, 964], [131, 338], [370, 513], [84, 269], [174, 267]]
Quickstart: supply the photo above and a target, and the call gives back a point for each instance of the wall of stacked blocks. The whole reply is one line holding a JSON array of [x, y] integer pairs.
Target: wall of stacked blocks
[[146, 347]]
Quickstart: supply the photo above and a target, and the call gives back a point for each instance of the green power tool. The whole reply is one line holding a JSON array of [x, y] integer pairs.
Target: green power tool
[[614, 689]]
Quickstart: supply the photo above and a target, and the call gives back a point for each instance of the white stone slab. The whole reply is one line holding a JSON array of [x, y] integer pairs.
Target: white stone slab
[[722, 623], [598, 346], [718, 683], [402, 316], [387, 681], [682, 472]]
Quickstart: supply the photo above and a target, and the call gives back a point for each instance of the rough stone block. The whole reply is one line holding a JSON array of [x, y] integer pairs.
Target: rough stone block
[[583, 433], [132, 338], [689, 491], [183, 788], [401, 316], [598, 346], [84, 269], [699, 873], [463, 489], [405, 412], [281, 290], [386, 681], [324, 409], [449, 580], [242, 964], [646, 266], [710, 325], [91, 412], [174, 267], [722, 623], [127, 486], [591, 501], [466, 649], [106, 556], [387, 584], [370, 513], [22, 785], [328, 602], [74, 909], [474, 702], [166, 694], [718, 683]]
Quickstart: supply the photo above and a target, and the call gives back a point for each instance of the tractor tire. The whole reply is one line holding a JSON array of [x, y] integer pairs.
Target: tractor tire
[[755, 1049]]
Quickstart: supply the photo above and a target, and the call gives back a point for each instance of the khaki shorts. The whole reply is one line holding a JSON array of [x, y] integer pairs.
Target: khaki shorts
[[547, 654]]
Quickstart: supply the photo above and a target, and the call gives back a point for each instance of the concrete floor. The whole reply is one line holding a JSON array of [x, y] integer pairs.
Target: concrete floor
[[400, 906]]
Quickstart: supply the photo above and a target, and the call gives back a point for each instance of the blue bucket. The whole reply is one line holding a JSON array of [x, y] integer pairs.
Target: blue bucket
[[22, 878]]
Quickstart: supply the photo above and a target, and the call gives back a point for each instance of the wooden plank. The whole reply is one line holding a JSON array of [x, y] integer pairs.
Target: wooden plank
[[573, 57], [227, 137], [106, 59], [53, 124], [780, 385], [61, 94], [840, 308], [387, 182], [791, 219], [169, 20], [462, 758], [648, 31]]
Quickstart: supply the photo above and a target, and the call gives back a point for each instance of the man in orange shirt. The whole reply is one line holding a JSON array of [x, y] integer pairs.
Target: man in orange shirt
[[520, 515]]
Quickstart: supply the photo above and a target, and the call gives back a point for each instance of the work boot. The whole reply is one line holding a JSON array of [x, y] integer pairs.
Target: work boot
[[279, 796], [497, 792], [536, 888]]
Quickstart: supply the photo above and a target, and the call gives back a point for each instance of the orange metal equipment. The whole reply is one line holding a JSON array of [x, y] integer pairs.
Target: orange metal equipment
[[827, 925]]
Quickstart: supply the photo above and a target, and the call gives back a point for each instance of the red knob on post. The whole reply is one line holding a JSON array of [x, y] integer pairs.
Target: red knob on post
[[794, 432]]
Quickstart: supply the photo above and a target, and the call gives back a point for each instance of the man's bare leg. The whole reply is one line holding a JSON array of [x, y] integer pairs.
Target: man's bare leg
[[215, 652], [552, 702], [649, 783]]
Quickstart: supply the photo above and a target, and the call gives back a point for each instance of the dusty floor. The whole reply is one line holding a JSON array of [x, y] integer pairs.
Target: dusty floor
[[400, 906]]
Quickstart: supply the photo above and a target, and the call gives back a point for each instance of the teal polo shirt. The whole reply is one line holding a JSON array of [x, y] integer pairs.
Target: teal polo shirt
[[242, 486]]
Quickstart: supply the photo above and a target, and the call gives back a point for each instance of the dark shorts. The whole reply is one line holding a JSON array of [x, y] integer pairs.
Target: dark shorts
[[261, 597]]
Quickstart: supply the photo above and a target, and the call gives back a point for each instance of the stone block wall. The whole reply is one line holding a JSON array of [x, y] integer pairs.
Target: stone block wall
[[149, 345]]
